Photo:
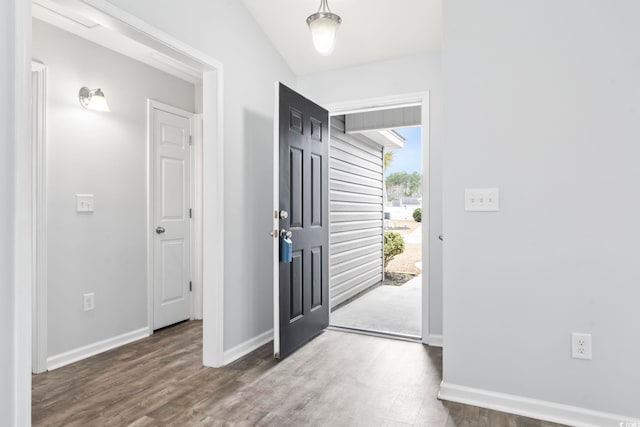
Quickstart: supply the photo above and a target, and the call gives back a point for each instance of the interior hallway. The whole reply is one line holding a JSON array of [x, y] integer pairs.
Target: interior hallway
[[338, 379]]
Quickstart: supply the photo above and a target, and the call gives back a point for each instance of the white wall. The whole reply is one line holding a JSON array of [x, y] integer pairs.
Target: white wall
[[400, 76], [104, 154], [226, 31], [7, 324], [542, 102]]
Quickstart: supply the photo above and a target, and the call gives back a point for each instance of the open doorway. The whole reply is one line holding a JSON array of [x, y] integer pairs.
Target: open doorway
[[379, 195], [328, 218], [149, 67]]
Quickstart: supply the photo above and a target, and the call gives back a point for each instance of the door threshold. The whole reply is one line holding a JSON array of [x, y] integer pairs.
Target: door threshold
[[379, 334]]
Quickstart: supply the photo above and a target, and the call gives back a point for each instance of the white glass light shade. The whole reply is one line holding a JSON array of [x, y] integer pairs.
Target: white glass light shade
[[98, 103], [93, 99], [323, 31]]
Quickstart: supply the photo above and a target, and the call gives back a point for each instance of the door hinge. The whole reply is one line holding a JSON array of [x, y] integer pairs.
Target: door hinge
[[190, 213], [190, 286], [190, 139]]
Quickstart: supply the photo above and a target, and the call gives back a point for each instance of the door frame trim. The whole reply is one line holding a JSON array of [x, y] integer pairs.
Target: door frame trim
[[39, 315], [153, 104], [196, 220], [24, 210], [275, 226], [395, 101], [24, 233]]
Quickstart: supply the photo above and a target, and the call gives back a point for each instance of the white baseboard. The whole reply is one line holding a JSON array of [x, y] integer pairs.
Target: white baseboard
[[532, 408], [434, 340], [71, 356], [246, 347]]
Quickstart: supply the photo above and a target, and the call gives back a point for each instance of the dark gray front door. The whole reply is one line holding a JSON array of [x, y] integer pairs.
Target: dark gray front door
[[304, 282]]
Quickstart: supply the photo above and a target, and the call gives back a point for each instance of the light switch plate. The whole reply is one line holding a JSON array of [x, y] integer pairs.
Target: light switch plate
[[481, 199], [84, 202]]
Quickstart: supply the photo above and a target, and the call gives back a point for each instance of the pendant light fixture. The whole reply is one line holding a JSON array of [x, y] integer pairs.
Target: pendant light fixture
[[324, 25]]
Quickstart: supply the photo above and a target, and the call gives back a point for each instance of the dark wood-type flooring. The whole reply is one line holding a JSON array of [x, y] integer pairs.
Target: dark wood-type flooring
[[339, 379]]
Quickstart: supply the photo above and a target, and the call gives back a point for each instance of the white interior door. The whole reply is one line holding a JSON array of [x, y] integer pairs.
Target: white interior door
[[170, 138]]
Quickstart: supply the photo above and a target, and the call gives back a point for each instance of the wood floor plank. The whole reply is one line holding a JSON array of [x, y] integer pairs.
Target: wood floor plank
[[338, 379]]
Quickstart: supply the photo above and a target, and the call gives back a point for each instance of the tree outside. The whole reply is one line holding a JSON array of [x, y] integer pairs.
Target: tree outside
[[403, 184]]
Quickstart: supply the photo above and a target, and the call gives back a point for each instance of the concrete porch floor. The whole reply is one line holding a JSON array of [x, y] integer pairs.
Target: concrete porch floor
[[392, 309]]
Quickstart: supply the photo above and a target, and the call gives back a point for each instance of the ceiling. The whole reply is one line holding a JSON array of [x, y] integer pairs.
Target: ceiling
[[371, 30]]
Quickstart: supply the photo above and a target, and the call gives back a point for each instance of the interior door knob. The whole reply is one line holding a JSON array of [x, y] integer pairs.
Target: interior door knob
[[160, 230]]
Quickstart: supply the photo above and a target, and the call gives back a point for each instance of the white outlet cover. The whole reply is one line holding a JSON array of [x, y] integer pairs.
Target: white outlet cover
[[481, 199], [84, 202], [89, 301], [581, 346]]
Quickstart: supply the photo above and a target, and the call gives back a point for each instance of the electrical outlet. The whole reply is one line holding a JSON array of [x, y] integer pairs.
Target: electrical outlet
[[89, 301], [581, 346]]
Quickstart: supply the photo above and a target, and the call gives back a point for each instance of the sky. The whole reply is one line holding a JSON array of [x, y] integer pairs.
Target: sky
[[407, 159]]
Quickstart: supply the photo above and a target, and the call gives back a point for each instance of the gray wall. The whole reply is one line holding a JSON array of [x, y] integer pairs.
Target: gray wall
[[542, 102], [355, 174], [104, 154], [7, 147], [226, 31], [400, 76]]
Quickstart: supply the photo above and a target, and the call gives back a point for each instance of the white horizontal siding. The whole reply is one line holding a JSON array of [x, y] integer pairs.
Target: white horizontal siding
[[348, 254], [354, 244], [356, 239]]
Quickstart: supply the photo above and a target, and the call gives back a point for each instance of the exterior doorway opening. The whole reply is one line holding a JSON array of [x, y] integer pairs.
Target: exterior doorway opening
[[379, 208]]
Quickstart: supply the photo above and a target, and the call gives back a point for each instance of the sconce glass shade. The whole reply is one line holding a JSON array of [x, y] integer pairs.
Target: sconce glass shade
[[324, 26], [93, 99]]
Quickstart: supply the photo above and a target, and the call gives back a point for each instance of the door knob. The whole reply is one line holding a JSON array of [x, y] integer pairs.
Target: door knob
[[285, 233], [160, 230]]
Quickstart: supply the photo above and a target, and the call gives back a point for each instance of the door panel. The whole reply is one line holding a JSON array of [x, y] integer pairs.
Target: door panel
[[316, 190], [173, 180], [301, 299], [172, 257], [316, 278], [172, 278], [295, 283], [295, 179]]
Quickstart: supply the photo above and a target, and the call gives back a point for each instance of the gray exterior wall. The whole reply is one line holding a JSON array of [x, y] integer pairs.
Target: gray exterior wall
[[356, 233]]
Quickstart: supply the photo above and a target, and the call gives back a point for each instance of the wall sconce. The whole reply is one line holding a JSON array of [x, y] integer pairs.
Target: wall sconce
[[93, 99]]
